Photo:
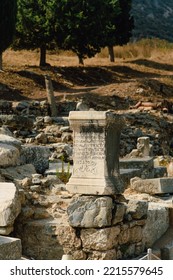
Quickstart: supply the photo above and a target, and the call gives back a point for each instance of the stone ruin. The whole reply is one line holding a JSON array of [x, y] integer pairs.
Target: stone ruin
[[111, 208]]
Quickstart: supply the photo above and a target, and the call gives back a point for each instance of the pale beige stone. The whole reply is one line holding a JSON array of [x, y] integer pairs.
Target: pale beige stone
[[103, 255], [9, 204], [96, 153], [100, 239], [153, 186]]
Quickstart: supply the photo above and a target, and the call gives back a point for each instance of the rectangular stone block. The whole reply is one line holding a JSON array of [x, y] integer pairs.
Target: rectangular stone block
[[153, 186], [10, 248], [145, 164], [96, 137]]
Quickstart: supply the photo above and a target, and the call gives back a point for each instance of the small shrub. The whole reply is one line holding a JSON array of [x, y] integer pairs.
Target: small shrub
[[62, 174]]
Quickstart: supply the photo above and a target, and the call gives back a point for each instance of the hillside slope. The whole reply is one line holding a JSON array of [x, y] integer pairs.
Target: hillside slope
[[153, 18]]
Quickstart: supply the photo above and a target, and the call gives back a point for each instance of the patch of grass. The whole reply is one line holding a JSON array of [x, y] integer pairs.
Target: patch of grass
[[144, 48], [62, 174]]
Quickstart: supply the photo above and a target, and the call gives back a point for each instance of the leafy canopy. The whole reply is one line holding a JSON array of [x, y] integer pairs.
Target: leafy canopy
[[7, 23]]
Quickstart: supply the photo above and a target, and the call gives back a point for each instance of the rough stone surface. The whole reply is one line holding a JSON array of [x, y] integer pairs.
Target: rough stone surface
[[100, 239], [37, 240], [89, 211], [145, 164], [119, 211], [156, 224], [130, 235], [9, 204], [18, 172], [36, 155], [10, 248], [9, 140], [153, 186], [16, 121], [102, 255], [9, 155], [137, 209]]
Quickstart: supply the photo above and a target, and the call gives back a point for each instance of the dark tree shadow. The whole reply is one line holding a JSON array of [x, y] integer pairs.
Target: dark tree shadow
[[153, 64]]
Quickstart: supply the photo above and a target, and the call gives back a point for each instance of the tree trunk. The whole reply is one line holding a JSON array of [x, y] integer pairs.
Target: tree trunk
[[43, 55], [1, 62], [50, 96], [80, 60], [111, 53]]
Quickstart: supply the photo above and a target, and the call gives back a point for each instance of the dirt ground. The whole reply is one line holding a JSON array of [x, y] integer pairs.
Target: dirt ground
[[125, 81]]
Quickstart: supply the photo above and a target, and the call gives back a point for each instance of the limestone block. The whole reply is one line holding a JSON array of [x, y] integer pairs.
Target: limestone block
[[102, 255], [66, 236], [95, 153], [9, 155], [130, 235], [10, 248], [6, 230], [156, 224], [153, 186], [39, 239], [18, 172], [9, 140], [137, 209], [145, 164], [90, 211], [118, 217], [9, 204], [77, 255], [100, 239]]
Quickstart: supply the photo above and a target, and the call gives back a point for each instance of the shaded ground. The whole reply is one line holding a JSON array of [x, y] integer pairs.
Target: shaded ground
[[123, 83]]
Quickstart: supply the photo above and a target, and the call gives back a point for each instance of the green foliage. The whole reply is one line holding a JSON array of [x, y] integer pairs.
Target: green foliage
[[34, 27], [124, 23], [7, 23], [82, 25], [62, 174]]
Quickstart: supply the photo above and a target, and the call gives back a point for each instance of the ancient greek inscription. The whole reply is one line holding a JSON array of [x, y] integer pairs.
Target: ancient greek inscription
[[89, 150]]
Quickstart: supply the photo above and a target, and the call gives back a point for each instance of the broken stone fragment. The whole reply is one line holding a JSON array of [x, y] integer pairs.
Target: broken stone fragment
[[10, 205], [90, 211]]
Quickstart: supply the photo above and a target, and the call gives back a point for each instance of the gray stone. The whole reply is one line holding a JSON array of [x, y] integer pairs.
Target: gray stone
[[156, 225], [89, 211], [9, 155], [10, 248], [18, 172], [37, 155], [137, 209], [143, 145], [153, 186], [145, 164], [5, 131], [16, 121], [9, 204], [118, 217], [9, 140], [95, 153], [41, 138]]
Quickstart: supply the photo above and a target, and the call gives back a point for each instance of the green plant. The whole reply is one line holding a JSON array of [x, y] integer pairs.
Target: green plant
[[62, 174]]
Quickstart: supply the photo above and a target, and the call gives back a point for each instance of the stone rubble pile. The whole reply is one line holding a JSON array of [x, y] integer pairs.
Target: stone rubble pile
[[52, 218]]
